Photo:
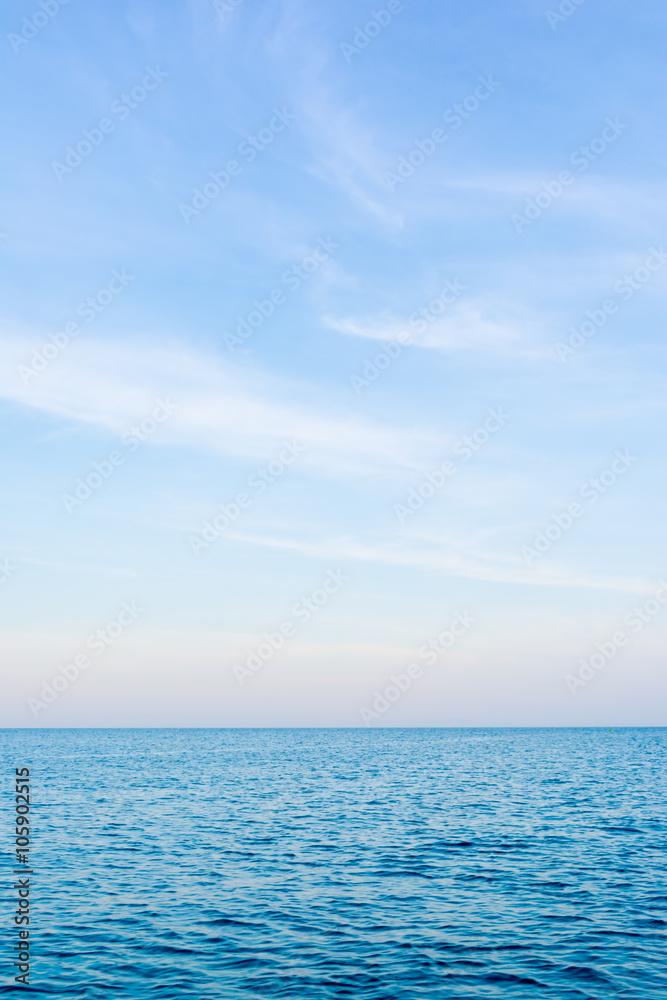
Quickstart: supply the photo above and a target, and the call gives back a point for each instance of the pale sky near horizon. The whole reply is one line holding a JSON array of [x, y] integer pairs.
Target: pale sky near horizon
[[435, 247]]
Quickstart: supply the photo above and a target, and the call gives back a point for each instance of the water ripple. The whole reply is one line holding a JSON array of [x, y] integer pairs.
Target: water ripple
[[318, 864]]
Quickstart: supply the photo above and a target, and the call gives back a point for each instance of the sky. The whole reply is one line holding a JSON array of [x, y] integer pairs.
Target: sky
[[332, 363]]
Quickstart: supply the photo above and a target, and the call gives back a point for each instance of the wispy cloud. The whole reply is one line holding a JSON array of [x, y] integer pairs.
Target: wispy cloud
[[470, 325], [221, 408], [448, 562]]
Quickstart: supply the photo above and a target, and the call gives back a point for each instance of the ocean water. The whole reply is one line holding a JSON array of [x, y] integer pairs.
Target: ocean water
[[372, 864]]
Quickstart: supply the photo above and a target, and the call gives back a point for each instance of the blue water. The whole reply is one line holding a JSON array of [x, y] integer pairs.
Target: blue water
[[393, 864]]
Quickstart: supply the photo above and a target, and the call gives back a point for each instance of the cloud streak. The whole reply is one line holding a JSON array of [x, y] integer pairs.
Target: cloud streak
[[220, 408]]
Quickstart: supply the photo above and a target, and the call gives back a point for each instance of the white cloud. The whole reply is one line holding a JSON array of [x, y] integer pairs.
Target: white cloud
[[220, 407], [477, 567], [472, 324]]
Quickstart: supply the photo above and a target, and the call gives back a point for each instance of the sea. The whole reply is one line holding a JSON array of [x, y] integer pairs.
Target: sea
[[375, 864]]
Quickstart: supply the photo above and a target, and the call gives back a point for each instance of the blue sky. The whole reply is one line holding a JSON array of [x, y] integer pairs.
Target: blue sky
[[369, 402]]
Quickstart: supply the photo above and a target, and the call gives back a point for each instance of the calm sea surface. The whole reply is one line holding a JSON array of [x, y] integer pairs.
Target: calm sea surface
[[395, 864]]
